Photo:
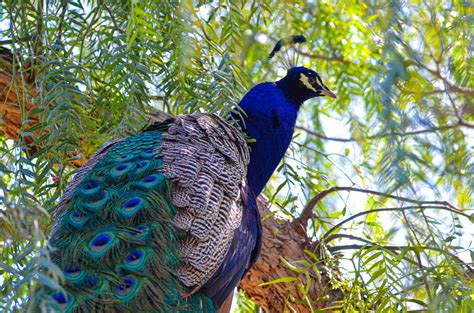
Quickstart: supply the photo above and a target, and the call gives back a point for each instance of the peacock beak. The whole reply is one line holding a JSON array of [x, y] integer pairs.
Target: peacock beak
[[328, 93]]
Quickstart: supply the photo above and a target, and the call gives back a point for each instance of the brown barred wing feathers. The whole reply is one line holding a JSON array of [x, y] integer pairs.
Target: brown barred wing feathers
[[205, 158]]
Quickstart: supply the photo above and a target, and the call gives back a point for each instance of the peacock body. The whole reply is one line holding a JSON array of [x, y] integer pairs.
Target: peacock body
[[166, 220]]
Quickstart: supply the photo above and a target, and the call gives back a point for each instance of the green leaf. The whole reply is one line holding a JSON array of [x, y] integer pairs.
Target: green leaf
[[376, 275], [312, 255], [287, 279], [290, 266]]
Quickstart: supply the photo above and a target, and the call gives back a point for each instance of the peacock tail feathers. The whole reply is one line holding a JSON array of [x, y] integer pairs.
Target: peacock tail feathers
[[113, 238], [149, 218]]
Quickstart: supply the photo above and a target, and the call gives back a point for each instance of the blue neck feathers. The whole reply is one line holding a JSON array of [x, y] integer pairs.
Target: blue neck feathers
[[270, 120]]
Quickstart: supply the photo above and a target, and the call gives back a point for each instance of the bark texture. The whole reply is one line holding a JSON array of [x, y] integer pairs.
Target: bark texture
[[14, 95], [17, 114], [281, 239], [288, 240]]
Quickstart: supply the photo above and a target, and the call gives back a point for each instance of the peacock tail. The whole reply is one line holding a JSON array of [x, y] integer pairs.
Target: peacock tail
[[149, 220]]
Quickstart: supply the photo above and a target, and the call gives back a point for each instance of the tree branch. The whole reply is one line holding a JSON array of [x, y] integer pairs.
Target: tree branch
[[112, 17], [316, 134], [157, 98], [394, 209], [323, 57], [382, 135], [457, 113], [389, 247], [17, 40], [370, 244], [450, 86], [307, 212]]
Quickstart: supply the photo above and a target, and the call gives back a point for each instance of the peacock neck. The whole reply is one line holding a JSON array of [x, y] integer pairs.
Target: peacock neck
[[269, 120]]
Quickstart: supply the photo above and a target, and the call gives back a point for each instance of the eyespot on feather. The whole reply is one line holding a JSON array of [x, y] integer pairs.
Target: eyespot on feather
[[152, 180], [142, 166], [65, 301], [128, 288], [121, 169], [78, 218], [90, 188], [136, 260], [140, 233], [101, 243], [91, 281], [132, 206], [149, 153], [61, 298], [97, 204], [73, 273], [124, 157]]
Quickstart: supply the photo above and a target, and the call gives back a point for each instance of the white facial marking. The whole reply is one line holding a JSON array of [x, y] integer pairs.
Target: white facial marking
[[320, 82], [305, 80]]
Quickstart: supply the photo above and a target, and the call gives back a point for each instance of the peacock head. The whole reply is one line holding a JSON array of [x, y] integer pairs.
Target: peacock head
[[301, 84]]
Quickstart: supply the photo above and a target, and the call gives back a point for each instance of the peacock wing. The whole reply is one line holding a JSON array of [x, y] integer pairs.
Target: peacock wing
[[206, 160]]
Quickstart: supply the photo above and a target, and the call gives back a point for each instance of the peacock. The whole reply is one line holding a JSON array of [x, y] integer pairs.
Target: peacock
[[166, 220]]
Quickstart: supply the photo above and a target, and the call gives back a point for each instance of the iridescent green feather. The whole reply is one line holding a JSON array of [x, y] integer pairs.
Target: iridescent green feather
[[115, 240]]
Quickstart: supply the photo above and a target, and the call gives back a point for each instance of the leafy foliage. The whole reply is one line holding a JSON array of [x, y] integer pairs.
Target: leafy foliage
[[402, 125]]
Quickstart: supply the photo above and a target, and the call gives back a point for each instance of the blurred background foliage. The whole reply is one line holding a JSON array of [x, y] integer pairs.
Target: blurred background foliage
[[402, 126]]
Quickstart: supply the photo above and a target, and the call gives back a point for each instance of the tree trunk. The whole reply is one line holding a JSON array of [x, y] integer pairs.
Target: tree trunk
[[15, 90], [288, 240]]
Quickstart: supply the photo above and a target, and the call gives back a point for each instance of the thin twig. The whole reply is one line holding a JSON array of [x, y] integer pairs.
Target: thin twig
[[418, 258], [323, 57], [421, 206], [157, 98], [457, 113], [377, 136], [59, 32], [16, 40], [370, 244], [112, 17], [390, 247], [449, 85], [308, 210], [316, 134]]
